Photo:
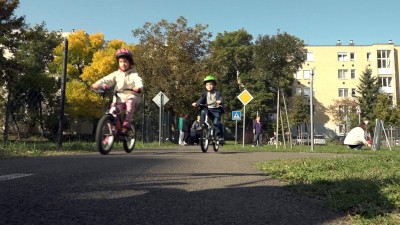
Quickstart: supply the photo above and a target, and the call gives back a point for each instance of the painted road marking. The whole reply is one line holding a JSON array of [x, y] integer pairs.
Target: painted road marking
[[14, 176]]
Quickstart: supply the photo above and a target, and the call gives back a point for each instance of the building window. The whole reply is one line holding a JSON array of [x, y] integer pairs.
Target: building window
[[353, 92], [306, 91], [342, 128], [369, 56], [383, 59], [342, 110], [385, 81], [306, 74], [352, 56], [343, 92], [310, 56], [298, 75], [298, 91], [342, 56], [342, 74], [353, 74], [390, 97]]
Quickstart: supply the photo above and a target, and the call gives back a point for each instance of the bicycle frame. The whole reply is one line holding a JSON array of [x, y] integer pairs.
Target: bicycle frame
[[208, 133], [109, 129]]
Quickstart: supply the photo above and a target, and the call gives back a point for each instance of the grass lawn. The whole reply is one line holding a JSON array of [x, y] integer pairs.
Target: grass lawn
[[365, 186]]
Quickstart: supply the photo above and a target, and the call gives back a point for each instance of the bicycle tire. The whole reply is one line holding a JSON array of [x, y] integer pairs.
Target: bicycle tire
[[104, 135], [215, 141], [204, 139], [129, 140]]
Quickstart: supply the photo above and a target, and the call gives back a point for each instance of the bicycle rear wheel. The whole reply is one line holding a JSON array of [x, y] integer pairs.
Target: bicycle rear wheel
[[130, 140], [204, 139], [104, 135]]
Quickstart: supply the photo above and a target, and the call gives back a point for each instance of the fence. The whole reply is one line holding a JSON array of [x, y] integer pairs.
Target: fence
[[35, 117]]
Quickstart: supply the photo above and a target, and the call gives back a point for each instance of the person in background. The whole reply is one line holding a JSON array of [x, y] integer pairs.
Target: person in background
[[257, 131], [197, 128], [186, 129], [180, 128], [355, 139]]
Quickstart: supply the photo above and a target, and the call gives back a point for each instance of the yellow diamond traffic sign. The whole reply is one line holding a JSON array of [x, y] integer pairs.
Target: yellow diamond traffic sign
[[245, 97]]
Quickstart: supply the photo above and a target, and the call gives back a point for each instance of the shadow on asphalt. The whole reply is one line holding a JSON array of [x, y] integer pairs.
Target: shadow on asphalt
[[161, 198]]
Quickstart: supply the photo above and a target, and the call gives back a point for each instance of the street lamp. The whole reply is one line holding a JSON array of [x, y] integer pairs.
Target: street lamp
[[311, 109]]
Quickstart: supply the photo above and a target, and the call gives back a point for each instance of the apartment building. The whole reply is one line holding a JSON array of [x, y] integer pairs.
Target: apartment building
[[337, 69]]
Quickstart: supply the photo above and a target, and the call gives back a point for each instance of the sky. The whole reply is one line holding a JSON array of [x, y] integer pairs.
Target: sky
[[317, 22]]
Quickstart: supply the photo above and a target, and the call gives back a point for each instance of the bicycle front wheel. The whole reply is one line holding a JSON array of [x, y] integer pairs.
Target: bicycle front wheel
[[130, 139], [104, 135], [204, 139], [215, 144]]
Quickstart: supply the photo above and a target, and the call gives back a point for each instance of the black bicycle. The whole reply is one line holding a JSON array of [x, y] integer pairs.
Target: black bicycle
[[208, 135], [109, 128]]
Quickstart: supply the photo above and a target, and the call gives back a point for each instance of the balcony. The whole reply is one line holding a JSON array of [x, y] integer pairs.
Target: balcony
[[387, 90]]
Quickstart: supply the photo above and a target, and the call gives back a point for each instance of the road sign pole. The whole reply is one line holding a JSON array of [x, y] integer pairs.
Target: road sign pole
[[244, 121], [235, 132], [160, 120]]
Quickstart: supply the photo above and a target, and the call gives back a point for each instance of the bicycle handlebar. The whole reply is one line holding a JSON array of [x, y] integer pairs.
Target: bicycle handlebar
[[206, 105], [100, 90]]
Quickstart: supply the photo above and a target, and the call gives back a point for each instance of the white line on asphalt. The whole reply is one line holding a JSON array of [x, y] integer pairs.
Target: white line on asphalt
[[14, 176]]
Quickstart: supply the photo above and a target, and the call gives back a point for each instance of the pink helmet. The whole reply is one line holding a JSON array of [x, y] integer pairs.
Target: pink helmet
[[123, 52]]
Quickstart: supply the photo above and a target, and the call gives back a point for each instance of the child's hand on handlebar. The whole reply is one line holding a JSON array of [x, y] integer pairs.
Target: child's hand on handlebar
[[218, 102], [104, 86], [136, 89], [194, 104]]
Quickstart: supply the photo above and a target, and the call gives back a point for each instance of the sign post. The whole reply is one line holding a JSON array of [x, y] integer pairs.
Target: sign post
[[236, 115], [160, 99], [245, 97]]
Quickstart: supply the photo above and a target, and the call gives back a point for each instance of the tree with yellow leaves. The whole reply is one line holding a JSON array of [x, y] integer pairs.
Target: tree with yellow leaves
[[89, 59]]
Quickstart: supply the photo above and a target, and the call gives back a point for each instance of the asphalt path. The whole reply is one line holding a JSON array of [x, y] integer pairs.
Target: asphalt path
[[153, 186]]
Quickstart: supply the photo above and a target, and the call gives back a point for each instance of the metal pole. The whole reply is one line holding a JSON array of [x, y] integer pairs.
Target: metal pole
[[277, 120], [160, 120], [235, 132], [311, 109], [7, 122], [143, 119], [244, 121], [62, 104]]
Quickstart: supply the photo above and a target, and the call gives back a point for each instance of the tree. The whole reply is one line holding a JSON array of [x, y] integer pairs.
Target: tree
[[81, 47], [171, 58], [24, 59], [368, 90], [300, 111], [35, 88], [10, 27], [10, 31], [276, 59], [88, 61], [232, 54], [343, 111], [386, 112]]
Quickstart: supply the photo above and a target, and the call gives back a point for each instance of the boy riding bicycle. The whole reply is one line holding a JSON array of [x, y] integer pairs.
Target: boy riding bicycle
[[214, 101], [128, 84]]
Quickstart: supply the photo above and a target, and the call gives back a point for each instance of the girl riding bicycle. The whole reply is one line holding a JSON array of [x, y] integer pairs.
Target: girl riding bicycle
[[213, 99], [124, 78]]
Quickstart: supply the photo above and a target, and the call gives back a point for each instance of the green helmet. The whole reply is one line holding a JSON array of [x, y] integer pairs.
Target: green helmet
[[210, 77]]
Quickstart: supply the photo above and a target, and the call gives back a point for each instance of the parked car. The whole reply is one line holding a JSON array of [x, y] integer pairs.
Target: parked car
[[306, 140], [319, 140], [301, 140]]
